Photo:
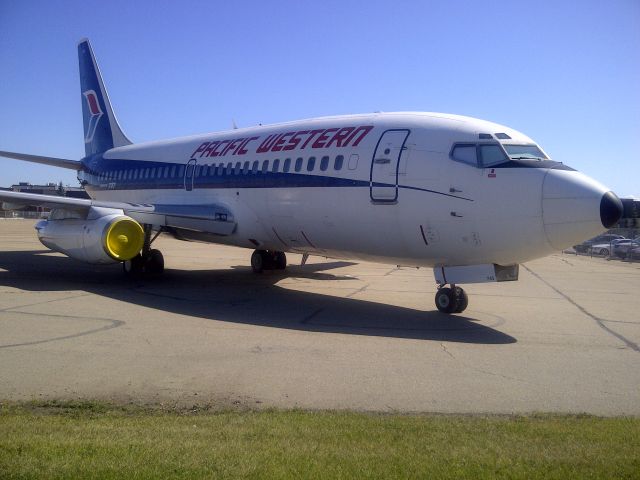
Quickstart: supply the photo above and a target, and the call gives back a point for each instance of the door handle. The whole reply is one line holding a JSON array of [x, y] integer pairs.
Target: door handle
[[382, 160]]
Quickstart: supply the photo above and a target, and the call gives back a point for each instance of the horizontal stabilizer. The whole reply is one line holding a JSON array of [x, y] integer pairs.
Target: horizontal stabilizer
[[54, 162]]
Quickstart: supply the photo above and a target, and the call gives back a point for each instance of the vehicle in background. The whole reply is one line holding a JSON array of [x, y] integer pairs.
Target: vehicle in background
[[607, 238], [605, 249], [622, 247], [634, 254]]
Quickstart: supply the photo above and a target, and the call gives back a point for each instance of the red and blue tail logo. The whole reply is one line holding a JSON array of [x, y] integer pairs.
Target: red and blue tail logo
[[95, 113]]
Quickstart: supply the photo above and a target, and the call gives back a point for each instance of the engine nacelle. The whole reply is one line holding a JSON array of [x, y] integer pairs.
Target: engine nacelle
[[104, 235]]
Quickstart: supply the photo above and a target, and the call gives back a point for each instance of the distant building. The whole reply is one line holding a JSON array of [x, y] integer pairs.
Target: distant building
[[48, 189]]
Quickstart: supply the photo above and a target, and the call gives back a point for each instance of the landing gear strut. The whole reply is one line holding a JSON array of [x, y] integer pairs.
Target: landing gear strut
[[149, 262], [268, 260], [451, 300]]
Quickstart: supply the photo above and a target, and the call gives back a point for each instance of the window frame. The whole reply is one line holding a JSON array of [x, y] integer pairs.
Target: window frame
[[479, 161]]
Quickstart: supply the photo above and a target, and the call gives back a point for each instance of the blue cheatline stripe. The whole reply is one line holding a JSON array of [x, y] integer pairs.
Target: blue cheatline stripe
[[95, 167]]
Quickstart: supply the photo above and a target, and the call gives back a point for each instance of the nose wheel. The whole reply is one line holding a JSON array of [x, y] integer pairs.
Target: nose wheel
[[451, 300], [262, 260]]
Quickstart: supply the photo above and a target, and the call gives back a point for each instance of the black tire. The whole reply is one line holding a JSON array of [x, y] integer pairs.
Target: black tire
[[463, 300], [133, 268], [154, 264], [446, 300], [280, 260], [258, 261]]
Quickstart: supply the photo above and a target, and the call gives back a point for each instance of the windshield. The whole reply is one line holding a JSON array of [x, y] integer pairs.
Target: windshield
[[524, 152]]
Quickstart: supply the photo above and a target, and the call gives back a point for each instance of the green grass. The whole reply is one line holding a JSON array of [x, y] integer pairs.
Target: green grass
[[95, 440]]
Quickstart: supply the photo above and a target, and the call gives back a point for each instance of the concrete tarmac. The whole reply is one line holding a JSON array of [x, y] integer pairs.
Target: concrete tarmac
[[329, 335]]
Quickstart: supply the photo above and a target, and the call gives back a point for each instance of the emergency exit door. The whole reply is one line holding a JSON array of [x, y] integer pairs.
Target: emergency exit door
[[384, 166]]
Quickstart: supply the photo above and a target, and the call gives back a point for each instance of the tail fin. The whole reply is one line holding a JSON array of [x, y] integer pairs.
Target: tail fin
[[101, 129]]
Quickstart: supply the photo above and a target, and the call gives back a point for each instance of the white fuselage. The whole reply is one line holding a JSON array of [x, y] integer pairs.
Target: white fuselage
[[398, 196]]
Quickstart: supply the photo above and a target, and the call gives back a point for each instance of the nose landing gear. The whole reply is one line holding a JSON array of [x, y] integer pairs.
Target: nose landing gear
[[451, 300], [268, 260]]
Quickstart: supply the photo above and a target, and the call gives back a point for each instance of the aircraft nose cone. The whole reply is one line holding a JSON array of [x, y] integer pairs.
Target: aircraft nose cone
[[610, 209], [575, 208]]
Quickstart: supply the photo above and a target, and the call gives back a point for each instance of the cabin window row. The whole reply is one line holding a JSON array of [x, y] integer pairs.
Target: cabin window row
[[238, 168]]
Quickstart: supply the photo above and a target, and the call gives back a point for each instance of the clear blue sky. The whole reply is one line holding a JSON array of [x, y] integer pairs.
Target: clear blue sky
[[566, 73]]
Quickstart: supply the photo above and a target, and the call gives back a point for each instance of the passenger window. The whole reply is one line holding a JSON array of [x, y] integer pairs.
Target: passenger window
[[238, 168], [353, 161], [136, 172], [466, 154], [311, 164], [276, 165], [245, 169], [254, 167], [298, 164], [337, 165], [153, 173], [492, 155], [265, 166], [229, 168], [287, 165], [324, 163], [181, 171], [173, 171]]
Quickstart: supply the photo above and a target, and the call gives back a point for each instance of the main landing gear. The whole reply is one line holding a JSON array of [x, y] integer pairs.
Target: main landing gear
[[451, 300], [148, 262], [268, 260]]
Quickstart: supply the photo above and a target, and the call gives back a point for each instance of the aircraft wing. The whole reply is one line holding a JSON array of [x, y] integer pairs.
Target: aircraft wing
[[210, 218], [55, 162]]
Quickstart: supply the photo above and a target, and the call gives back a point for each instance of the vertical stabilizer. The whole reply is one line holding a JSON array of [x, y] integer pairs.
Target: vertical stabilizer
[[101, 129]]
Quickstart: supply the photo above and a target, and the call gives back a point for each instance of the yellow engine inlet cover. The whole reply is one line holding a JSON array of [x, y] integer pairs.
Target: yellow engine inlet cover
[[124, 239]]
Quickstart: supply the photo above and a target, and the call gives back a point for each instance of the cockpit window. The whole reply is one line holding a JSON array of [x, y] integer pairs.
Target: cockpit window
[[465, 154], [481, 155], [525, 152], [492, 155]]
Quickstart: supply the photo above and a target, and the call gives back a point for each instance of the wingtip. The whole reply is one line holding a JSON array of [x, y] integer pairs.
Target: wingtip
[[83, 40]]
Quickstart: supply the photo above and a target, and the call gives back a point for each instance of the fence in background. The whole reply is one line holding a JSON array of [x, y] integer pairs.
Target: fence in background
[[18, 214]]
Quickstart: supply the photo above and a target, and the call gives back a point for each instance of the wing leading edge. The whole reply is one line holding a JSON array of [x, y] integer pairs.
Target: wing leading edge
[[53, 161], [209, 218]]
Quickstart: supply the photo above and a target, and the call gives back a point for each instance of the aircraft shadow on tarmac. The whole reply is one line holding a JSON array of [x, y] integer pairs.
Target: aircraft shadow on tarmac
[[237, 295]]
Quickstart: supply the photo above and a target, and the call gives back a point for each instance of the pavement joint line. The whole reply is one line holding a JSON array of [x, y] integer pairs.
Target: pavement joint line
[[112, 324], [599, 321], [15, 308]]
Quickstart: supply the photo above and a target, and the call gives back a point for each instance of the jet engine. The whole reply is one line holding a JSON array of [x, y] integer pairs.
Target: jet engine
[[102, 235]]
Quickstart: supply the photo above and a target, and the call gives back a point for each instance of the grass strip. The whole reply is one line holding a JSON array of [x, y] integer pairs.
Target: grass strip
[[96, 440]]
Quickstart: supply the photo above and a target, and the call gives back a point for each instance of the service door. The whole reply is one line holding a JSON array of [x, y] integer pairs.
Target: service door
[[189, 173], [384, 166]]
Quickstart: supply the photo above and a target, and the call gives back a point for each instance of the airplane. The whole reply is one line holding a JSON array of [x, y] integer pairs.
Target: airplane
[[469, 198]]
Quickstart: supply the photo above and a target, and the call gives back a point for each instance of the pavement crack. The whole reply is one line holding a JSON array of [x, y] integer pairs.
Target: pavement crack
[[395, 269], [310, 317], [445, 350], [17, 307], [360, 290], [599, 321]]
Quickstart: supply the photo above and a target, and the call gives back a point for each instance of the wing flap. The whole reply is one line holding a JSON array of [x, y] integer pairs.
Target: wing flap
[[211, 218]]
